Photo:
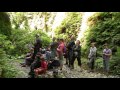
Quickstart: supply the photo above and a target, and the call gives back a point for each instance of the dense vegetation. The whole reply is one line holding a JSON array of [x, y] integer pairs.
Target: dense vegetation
[[69, 26], [104, 27], [15, 42]]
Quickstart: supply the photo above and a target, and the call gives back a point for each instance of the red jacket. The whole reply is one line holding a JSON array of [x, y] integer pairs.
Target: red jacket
[[60, 49], [44, 64]]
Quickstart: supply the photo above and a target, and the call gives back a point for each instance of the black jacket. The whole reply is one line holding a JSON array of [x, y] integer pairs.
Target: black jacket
[[77, 49]]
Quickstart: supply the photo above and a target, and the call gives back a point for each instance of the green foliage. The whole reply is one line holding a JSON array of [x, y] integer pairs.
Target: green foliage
[[27, 19], [5, 44], [18, 18], [69, 25], [115, 63], [2, 53], [21, 39], [5, 25], [14, 42], [99, 63], [104, 27], [8, 69]]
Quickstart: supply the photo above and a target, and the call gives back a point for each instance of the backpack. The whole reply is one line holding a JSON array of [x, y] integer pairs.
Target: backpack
[[64, 49]]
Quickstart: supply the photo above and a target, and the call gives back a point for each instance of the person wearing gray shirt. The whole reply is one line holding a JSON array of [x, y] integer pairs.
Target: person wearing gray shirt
[[92, 56]]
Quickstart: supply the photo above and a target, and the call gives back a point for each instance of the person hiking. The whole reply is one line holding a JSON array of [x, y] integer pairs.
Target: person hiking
[[48, 53], [53, 48], [106, 57], [28, 58], [35, 64], [92, 56], [37, 46], [69, 48], [60, 53], [43, 67], [76, 54]]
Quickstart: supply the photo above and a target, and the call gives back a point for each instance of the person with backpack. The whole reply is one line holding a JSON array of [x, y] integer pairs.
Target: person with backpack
[[70, 51], [106, 57], [76, 54], [60, 52], [92, 56]]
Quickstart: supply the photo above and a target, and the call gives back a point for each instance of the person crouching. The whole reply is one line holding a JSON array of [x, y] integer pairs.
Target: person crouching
[[43, 68]]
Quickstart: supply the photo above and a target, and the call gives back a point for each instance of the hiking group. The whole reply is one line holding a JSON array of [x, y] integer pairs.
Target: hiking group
[[53, 56]]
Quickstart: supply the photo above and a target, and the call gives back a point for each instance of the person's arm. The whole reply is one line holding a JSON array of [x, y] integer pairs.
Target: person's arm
[[74, 48], [60, 49], [68, 46], [31, 55], [110, 53], [77, 48], [104, 52], [89, 56]]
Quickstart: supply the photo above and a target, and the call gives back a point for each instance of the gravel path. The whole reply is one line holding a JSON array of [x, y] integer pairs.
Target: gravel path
[[77, 73], [65, 73]]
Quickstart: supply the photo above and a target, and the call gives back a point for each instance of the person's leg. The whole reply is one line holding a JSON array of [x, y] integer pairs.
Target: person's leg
[[107, 65], [36, 72], [53, 54], [72, 62], [93, 62], [104, 65], [67, 58], [61, 61], [67, 61], [71, 57], [90, 63], [31, 73], [34, 65], [79, 61], [28, 61]]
